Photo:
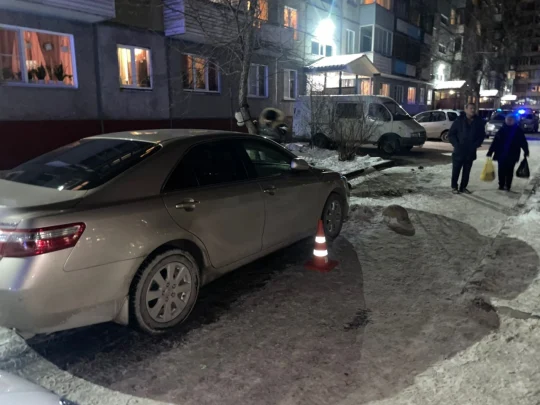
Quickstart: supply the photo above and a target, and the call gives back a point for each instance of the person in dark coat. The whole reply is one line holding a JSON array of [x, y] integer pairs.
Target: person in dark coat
[[466, 135], [506, 150]]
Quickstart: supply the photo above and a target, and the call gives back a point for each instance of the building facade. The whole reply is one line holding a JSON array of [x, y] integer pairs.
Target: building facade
[[76, 68]]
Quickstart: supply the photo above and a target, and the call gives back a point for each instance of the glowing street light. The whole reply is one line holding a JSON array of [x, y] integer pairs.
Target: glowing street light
[[325, 29]]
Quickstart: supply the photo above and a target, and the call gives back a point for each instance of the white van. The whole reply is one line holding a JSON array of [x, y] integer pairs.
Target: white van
[[392, 128]]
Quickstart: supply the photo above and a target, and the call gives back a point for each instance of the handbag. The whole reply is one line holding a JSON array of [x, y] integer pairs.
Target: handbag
[[488, 172], [523, 169]]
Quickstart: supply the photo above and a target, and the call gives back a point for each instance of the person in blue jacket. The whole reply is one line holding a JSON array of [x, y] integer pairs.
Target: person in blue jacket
[[506, 150], [466, 135]]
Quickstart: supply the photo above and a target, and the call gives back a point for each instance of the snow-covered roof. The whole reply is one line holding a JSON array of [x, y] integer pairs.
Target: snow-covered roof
[[450, 85], [358, 64], [489, 93]]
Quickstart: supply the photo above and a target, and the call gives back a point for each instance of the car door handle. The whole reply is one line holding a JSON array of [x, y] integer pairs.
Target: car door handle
[[188, 204], [270, 190]]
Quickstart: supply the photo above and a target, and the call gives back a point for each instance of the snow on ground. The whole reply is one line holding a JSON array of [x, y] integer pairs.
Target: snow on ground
[[328, 159], [402, 320]]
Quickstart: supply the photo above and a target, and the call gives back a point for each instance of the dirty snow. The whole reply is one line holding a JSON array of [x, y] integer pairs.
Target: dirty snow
[[328, 159], [402, 320]]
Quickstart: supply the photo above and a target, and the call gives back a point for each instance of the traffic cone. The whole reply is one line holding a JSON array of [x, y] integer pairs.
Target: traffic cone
[[320, 260]]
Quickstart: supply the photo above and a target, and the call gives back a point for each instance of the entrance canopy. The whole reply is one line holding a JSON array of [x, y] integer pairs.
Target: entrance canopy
[[355, 65], [450, 85]]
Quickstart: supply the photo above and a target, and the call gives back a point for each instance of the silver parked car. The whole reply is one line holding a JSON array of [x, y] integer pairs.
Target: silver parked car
[[128, 226]]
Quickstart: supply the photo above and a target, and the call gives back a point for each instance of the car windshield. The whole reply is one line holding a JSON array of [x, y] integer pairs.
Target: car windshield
[[398, 113], [82, 165], [499, 116]]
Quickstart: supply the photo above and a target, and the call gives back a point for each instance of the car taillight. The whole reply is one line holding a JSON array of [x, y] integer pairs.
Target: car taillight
[[33, 242]]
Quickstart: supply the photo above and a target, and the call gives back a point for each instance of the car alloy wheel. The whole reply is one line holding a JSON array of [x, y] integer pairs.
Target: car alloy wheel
[[444, 137], [333, 216], [164, 291]]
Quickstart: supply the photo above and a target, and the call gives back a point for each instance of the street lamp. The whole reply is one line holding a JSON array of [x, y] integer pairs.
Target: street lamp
[[325, 30]]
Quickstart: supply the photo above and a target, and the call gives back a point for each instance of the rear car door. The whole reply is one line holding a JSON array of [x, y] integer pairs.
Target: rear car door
[[438, 123], [292, 199], [210, 195]]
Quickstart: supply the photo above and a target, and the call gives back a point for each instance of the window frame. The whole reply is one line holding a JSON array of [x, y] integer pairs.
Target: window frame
[[384, 86], [409, 88], [22, 58], [422, 96], [287, 24], [350, 34], [287, 84], [445, 20], [206, 90], [402, 92], [387, 41], [372, 45], [134, 67], [266, 87]]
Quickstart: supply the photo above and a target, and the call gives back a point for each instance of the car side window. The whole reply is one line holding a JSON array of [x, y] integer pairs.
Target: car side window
[[438, 116], [267, 160], [424, 117], [452, 116], [207, 164], [378, 112]]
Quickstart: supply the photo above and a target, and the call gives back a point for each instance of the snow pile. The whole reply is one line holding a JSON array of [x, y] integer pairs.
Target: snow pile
[[328, 159]]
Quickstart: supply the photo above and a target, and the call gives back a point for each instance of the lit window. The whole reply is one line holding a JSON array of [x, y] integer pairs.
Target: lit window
[[200, 74], [134, 67], [384, 3], [290, 20], [41, 57], [290, 82], [366, 39], [258, 81], [365, 88], [398, 94], [523, 75], [411, 95], [261, 14], [422, 96], [453, 17], [385, 90], [349, 43], [429, 98]]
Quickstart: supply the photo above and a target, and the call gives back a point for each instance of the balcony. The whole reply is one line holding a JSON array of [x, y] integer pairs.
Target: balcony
[[89, 11]]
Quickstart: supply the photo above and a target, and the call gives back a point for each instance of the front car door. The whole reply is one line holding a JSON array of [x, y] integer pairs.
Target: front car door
[[210, 195], [424, 119], [380, 119], [438, 122], [292, 199]]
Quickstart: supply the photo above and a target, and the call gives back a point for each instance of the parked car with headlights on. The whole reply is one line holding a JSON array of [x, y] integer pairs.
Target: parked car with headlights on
[[128, 226]]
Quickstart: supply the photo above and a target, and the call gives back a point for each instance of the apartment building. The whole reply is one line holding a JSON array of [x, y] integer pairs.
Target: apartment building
[[370, 47], [76, 68], [525, 80]]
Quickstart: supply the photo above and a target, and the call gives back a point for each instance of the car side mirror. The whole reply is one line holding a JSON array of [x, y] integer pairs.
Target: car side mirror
[[299, 165]]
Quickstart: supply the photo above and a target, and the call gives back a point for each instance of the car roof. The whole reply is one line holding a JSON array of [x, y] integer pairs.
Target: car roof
[[165, 135]]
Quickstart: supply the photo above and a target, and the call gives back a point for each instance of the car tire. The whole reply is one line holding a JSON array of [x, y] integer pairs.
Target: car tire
[[444, 137], [333, 216], [389, 145], [165, 283]]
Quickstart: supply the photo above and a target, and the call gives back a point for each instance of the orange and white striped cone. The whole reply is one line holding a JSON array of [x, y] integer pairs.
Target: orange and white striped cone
[[320, 261]]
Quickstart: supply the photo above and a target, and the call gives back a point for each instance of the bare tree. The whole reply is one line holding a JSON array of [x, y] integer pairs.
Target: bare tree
[[232, 31], [351, 127]]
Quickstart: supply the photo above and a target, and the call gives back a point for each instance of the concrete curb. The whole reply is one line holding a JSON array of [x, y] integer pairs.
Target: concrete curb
[[379, 166]]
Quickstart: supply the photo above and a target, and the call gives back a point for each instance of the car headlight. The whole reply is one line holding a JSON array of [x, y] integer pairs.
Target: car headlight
[[490, 127], [64, 401]]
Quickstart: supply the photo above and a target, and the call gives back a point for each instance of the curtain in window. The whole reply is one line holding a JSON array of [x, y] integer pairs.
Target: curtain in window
[[10, 63], [124, 65], [52, 52]]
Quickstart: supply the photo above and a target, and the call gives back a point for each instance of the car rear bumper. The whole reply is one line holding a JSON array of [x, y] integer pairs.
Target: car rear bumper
[[38, 296], [415, 141]]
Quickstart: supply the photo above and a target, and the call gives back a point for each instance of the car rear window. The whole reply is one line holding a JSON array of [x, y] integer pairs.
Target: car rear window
[[82, 165]]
